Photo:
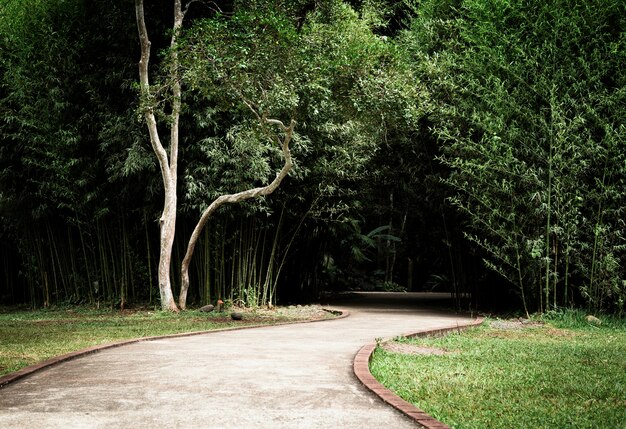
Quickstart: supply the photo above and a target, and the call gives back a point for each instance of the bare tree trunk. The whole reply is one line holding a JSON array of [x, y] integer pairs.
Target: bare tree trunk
[[167, 223], [234, 198]]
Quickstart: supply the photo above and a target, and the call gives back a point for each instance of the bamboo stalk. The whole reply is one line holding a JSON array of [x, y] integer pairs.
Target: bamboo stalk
[[257, 264], [548, 228], [73, 268], [53, 264], [262, 273], [86, 261], [222, 287], [149, 257], [286, 252], [271, 279], [239, 265], [42, 270], [556, 277], [102, 263], [207, 267], [114, 265]]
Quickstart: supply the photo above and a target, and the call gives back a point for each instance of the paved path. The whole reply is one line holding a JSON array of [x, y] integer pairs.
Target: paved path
[[293, 376]]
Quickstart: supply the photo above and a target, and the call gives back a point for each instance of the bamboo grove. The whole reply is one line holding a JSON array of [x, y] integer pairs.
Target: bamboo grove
[[448, 145]]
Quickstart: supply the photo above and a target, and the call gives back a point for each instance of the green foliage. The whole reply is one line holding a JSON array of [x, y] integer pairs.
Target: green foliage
[[347, 87], [65, 120], [67, 128], [36, 78], [235, 67], [330, 73], [75, 158], [510, 111], [533, 134]]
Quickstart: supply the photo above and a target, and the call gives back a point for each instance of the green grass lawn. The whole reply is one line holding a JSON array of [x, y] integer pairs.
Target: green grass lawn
[[563, 373], [28, 337]]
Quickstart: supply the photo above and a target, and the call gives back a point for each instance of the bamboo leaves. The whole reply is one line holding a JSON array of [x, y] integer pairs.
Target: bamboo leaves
[[522, 125]]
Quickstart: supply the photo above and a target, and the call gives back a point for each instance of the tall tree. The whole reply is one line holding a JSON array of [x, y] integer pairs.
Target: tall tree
[[236, 198], [248, 59], [168, 165], [328, 69]]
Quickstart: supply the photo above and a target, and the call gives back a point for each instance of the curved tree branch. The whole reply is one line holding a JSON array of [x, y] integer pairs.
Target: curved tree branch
[[235, 198]]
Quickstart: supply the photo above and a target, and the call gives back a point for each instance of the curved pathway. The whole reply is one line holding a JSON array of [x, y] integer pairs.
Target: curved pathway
[[290, 376]]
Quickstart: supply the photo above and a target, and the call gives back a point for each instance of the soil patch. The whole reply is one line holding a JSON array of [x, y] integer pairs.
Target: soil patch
[[412, 349], [294, 312], [514, 324]]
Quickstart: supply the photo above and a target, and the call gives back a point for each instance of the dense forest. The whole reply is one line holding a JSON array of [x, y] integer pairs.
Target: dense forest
[[469, 146]]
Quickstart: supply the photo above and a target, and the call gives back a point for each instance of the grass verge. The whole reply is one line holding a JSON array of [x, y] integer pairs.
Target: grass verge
[[29, 337], [560, 372]]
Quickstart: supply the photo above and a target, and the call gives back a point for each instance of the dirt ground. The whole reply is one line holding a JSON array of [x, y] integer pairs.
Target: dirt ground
[[412, 349], [287, 313]]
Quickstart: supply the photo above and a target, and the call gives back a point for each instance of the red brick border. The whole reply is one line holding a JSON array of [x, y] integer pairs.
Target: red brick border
[[362, 371], [24, 372]]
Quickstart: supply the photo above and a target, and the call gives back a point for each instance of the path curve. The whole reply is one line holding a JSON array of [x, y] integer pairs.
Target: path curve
[[362, 371], [290, 376]]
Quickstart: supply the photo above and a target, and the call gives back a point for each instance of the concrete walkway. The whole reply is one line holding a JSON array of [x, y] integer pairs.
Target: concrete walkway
[[293, 376]]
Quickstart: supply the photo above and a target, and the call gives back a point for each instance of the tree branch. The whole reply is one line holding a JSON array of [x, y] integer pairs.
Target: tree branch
[[234, 198], [144, 81]]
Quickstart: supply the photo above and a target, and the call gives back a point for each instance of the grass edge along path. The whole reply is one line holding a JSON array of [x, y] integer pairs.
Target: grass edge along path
[[32, 340], [362, 372], [554, 373]]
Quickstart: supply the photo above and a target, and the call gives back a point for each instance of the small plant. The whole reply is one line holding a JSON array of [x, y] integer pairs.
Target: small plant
[[437, 281], [390, 286]]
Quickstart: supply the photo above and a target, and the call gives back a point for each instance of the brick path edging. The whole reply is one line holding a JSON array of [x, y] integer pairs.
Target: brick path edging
[[24, 372], [362, 371]]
